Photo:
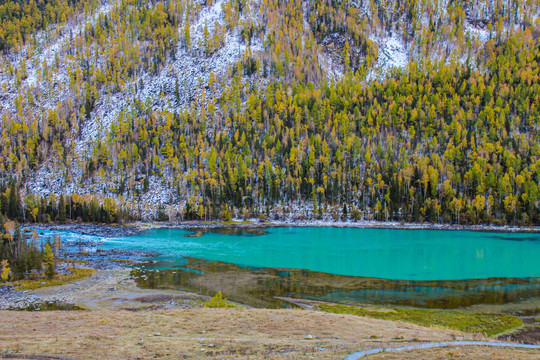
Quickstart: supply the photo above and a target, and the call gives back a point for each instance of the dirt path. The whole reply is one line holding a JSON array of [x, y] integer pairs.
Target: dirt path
[[364, 353]]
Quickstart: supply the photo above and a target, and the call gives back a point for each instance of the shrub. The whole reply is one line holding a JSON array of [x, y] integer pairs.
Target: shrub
[[218, 302]]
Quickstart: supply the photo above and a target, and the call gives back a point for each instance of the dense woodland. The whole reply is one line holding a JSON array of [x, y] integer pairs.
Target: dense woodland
[[443, 143], [21, 20], [24, 254], [453, 137]]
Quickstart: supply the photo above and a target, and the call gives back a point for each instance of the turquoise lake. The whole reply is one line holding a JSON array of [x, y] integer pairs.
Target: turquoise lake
[[379, 253], [480, 271]]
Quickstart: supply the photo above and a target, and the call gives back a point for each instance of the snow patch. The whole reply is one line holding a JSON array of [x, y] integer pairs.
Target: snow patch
[[190, 70], [392, 54]]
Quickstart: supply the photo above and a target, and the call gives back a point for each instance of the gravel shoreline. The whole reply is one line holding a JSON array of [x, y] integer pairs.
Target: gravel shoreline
[[104, 230], [112, 289], [135, 228], [37, 300], [111, 267], [255, 223]]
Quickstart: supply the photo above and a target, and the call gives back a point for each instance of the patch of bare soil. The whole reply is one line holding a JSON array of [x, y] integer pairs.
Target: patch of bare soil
[[528, 335]]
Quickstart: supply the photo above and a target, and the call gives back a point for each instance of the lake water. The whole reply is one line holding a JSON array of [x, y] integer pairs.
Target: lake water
[[380, 253], [428, 268]]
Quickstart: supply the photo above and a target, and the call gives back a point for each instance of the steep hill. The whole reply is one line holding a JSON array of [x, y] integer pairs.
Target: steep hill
[[403, 110]]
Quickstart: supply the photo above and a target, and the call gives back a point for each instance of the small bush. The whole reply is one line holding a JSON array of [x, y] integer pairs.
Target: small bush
[[226, 215], [356, 215], [218, 302]]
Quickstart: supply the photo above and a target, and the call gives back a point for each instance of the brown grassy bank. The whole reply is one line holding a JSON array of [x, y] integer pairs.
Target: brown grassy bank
[[221, 333]]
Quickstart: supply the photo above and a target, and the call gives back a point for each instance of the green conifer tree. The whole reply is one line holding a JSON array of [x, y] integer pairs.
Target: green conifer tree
[[48, 259], [13, 202], [61, 209]]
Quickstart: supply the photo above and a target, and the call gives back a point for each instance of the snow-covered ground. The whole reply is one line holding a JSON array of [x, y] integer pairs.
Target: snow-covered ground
[[392, 54], [191, 70], [51, 45]]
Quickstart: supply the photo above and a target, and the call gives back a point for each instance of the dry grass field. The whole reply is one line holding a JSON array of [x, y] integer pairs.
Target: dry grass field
[[224, 334]]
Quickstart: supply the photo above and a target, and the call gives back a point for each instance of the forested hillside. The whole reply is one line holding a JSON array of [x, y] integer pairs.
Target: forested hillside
[[387, 110]]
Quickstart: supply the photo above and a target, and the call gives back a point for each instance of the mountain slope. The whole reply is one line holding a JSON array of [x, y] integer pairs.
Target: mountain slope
[[187, 109]]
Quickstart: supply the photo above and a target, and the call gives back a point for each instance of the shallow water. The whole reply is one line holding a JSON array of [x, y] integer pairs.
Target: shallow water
[[259, 287], [425, 268]]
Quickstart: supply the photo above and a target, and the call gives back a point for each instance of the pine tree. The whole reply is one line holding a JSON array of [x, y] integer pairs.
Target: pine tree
[[177, 90], [346, 55], [56, 246], [206, 40], [48, 259], [61, 209], [13, 202], [200, 212], [187, 35]]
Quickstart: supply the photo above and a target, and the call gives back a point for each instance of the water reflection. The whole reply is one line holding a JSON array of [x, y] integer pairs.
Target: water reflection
[[258, 287], [239, 231]]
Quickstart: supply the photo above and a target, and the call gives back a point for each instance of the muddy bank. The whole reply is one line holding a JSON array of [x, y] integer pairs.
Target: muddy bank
[[525, 336], [116, 290]]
